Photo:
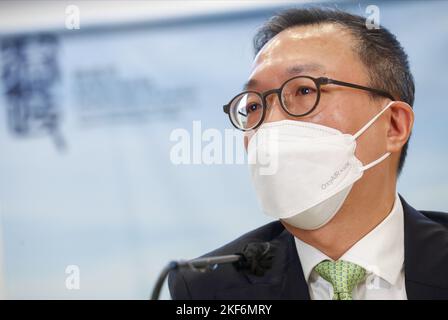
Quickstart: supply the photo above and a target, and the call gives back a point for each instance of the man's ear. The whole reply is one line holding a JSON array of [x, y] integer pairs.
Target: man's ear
[[400, 125]]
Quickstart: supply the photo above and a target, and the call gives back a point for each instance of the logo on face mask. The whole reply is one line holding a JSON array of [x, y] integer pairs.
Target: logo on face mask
[[335, 176]]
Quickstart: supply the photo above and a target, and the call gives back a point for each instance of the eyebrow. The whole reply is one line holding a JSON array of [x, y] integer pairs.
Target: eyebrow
[[291, 71]]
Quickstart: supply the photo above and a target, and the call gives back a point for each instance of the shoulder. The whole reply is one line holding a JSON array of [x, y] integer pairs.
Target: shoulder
[[437, 217], [185, 284], [430, 223], [424, 219], [426, 247]]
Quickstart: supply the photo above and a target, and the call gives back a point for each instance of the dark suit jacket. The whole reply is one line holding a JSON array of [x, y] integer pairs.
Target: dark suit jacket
[[426, 265]]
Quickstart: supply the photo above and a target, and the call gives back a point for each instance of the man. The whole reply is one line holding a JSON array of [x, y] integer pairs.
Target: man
[[329, 101]]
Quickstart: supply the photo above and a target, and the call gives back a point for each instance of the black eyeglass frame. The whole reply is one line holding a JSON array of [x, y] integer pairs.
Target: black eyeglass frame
[[317, 81]]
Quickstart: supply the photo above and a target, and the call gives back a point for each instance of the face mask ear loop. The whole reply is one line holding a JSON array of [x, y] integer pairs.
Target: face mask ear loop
[[368, 124], [364, 128], [373, 163]]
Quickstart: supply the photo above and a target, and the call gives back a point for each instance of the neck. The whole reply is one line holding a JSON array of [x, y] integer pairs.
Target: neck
[[361, 212]]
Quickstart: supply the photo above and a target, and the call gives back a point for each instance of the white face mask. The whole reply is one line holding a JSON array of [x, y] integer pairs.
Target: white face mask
[[315, 168]]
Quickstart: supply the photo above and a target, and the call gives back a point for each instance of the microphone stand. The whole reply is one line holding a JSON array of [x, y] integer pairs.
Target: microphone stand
[[199, 264]]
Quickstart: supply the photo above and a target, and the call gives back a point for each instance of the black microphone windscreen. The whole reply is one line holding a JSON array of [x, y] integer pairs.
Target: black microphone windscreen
[[256, 258]]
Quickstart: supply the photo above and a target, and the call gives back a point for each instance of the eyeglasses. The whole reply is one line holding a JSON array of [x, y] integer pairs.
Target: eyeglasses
[[298, 96]]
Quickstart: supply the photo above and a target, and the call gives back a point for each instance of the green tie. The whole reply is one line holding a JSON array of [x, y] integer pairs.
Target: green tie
[[343, 276]]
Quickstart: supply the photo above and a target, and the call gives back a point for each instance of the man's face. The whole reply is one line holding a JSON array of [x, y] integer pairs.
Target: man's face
[[322, 51]]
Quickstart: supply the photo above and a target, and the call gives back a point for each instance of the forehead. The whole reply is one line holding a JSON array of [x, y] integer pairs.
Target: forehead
[[324, 49]]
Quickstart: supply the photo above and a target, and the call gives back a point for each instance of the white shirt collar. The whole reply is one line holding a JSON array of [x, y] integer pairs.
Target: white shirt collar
[[381, 251]]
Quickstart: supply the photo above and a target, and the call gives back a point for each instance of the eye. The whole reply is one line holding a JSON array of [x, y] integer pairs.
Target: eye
[[252, 107], [303, 91]]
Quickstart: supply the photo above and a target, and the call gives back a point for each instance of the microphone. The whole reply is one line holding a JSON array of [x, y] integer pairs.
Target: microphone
[[255, 258]]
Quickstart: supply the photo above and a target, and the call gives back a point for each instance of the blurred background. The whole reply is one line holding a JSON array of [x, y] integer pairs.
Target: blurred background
[[91, 204]]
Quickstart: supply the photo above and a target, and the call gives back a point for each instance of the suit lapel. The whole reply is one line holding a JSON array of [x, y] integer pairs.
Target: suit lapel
[[294, 283], [426, 256]]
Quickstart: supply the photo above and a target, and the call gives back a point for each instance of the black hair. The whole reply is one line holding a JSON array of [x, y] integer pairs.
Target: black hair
[[378, 49]]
